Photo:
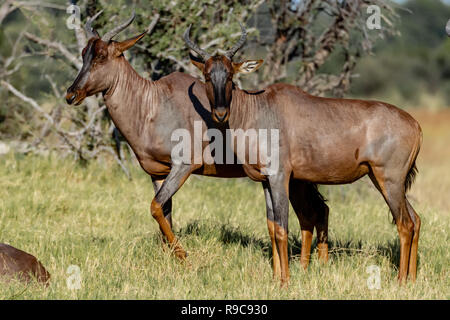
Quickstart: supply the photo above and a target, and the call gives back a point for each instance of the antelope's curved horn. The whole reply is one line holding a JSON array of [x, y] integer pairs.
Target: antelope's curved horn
[[90, 32], [110, 34], [447, 28], [191, 45], [230, 53]]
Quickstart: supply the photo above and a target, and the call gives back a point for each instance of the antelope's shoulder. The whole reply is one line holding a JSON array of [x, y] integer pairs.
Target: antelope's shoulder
[[179, 79], [284, 89]]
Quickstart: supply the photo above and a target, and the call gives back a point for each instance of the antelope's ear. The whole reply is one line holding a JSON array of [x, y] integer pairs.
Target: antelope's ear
[[197, 62], [247, 66], [199, 65], [127, 44]]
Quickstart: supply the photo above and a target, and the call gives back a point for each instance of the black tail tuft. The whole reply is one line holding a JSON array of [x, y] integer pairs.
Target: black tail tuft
[[411, 176]]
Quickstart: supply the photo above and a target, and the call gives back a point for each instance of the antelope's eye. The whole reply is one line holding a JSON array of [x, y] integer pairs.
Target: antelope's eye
[[101, 57], [207, 78]]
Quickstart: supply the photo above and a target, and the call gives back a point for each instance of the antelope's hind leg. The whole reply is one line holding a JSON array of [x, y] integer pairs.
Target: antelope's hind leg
[[169, 187], [312, 212], [321, 211], [298, 199], [392, 188], [412, 270]]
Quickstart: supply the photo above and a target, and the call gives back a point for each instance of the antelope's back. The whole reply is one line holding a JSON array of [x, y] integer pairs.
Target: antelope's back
[[15, 263]]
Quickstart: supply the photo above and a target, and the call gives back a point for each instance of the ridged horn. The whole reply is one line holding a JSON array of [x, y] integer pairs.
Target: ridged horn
[[191, 45], [90, 32], [230, 53], [110, 34]]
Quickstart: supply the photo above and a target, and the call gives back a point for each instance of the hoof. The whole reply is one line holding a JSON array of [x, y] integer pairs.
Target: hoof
[[323, 252], [180, 254], [284, 283], [304, 262]]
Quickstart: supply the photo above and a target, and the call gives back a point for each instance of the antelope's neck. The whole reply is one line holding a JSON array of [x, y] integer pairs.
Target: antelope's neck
[[130, 100], [241, 109]]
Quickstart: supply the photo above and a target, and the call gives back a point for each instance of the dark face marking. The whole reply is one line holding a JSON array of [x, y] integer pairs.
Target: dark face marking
[[218, 74], [94, 52]]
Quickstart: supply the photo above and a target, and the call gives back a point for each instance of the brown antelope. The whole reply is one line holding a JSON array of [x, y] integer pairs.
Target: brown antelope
[[22, 265], [321, 140], [148, 112]]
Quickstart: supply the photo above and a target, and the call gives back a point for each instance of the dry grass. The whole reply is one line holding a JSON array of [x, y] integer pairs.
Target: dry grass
[[93, 217]]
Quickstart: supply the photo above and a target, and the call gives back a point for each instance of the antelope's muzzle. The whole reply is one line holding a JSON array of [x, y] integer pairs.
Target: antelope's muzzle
[[70, 97], [221, 114]]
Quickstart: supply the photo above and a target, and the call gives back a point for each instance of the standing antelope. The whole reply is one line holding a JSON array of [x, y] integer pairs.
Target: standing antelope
[[321, 140], [148, 112]]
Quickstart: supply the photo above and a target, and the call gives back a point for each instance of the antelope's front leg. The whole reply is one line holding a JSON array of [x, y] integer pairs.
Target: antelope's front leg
[[279, 190], [167, 208], [169, 187], [271, 227]]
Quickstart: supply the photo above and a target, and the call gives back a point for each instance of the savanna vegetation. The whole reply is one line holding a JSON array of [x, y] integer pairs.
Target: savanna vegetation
[[95, 218], [67, 197]]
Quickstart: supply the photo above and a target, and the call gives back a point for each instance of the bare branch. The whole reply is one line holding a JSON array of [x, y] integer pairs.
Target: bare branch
[[54, 88], [42, 4], [57, 46], [6, 8], [111, 151], [26, 99], [90, 123], [152, 24]]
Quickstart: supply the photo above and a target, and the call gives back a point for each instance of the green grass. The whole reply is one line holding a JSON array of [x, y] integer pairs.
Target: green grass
[[93, 217]]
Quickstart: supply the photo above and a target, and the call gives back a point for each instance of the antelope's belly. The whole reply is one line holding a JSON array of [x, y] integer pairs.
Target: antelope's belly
[[221, 170], [153, 167], [255, 173], [330, 173]]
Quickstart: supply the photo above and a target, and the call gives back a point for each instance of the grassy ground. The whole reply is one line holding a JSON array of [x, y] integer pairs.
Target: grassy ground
[[96, 219]]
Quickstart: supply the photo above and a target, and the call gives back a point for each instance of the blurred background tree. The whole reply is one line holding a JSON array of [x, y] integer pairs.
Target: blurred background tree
[[412, 70], [323, 46]]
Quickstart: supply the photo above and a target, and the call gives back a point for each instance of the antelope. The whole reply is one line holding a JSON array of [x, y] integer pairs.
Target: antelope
[[148, 112], [15, 263], [321, 141]]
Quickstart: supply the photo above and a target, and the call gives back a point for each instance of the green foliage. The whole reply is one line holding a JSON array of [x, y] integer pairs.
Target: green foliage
[[403, 70], [206, 17]]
